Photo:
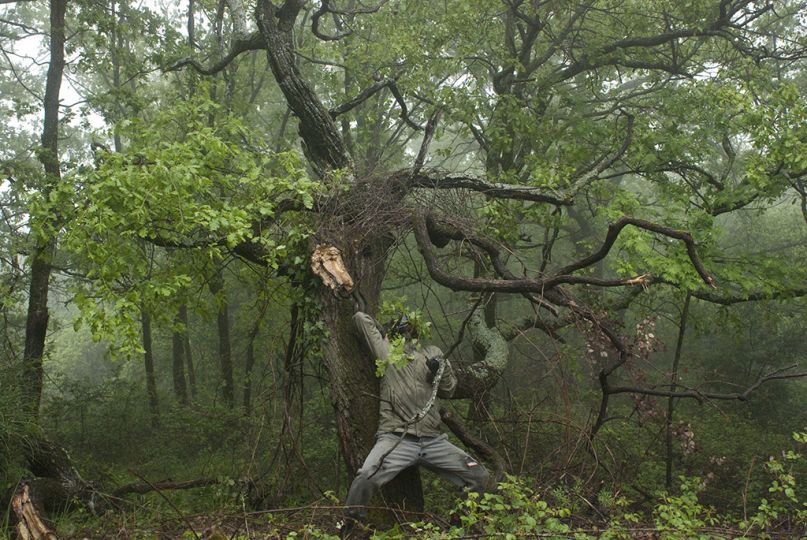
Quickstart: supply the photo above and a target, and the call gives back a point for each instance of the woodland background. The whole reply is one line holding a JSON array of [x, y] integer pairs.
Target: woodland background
[[600, 206]]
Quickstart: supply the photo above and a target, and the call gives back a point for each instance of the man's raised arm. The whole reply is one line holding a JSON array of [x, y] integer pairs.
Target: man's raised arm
[[369, 332]]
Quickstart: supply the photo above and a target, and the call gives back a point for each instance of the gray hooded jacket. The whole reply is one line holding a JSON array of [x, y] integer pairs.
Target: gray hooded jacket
[[405, 391]]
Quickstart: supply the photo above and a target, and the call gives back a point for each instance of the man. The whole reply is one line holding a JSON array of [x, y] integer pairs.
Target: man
[[409, 430]]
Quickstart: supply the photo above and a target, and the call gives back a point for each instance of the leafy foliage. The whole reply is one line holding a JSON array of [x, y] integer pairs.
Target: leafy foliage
[[184, 182]]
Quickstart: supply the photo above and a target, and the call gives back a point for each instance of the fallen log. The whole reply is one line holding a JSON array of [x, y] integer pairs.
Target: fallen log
[[56, 483]]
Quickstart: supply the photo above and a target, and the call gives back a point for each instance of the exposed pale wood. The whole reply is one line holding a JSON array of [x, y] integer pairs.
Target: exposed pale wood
[[327, 263], [30, 525]]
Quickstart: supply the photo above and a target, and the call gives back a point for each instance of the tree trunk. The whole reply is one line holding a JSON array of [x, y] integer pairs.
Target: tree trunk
[[148, 361], [36, 324], [250, 356], [250, 363], [225, 351], [354, 386], [186, 343], [178, 365], [668, 458]]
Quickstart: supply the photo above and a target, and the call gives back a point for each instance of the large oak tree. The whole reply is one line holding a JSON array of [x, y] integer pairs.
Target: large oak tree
[[478, 126]]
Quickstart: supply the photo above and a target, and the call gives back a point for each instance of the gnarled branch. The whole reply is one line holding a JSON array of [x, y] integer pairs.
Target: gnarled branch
[[701, 396], [251, 42], [727, 299], [616, 228], [540, 285], [592, 171], [473, 379], [325, 8], [439, 180], [370, 91]]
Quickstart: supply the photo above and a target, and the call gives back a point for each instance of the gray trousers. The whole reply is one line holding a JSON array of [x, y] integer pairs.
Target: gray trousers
[[435, 453]]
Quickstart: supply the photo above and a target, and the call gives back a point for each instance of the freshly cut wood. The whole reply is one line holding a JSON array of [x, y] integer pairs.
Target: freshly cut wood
[[327, 263], [30, 526]]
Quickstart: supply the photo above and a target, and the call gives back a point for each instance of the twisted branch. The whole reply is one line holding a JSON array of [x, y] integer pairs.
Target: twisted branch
[[325, 8], [616, 228], [370, 91], [563, 276], [437, 180], [699, 395], [252, 42]]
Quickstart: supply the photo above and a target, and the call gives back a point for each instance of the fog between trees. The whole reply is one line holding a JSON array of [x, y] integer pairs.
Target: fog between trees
[[599, 208]]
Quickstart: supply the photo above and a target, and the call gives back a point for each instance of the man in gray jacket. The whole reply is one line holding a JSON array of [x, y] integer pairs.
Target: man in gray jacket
[[409, 431]]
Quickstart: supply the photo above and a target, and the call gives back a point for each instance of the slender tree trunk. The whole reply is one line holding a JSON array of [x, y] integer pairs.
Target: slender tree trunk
[[250, 358], [250, 363], [178, 366], [225, 350], [186, 343], [148, 361], [673, 382], [117, 45], [191, 25], [36, 324]]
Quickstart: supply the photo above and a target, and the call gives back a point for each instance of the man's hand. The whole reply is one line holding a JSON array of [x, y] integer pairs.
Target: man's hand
[[433, 363]]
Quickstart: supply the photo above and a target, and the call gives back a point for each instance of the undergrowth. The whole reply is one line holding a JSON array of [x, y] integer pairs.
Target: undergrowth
[[513, 510]]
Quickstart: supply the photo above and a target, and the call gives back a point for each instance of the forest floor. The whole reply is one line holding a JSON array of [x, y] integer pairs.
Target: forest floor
[[322, 522]]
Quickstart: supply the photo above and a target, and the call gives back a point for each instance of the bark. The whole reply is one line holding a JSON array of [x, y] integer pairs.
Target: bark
[[36, 324], [322, 144], [225, 350], [148, 362], [474, 380], [354, 386]]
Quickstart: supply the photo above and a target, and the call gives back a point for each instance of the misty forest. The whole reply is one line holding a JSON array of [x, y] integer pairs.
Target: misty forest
[[595, 209]]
